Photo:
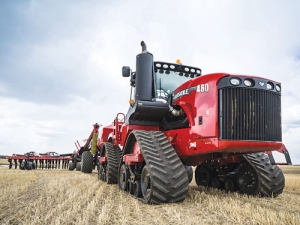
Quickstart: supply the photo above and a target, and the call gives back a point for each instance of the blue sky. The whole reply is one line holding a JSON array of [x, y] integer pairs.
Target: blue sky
[[60, 61]]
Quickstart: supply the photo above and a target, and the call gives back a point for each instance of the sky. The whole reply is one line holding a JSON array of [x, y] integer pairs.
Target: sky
[[60, 61]]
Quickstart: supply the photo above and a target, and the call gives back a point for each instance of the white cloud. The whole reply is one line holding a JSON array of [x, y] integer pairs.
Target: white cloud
[[69, 57]]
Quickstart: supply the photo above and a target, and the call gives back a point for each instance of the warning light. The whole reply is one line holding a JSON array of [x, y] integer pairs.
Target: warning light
[[178, 61], [131, 102]]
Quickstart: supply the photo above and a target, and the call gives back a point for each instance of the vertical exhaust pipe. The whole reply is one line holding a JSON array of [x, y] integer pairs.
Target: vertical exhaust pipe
[[144, 75]]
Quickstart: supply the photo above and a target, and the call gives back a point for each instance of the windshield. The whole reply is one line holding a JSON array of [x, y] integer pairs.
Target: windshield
[[170, 76], [167, 82]]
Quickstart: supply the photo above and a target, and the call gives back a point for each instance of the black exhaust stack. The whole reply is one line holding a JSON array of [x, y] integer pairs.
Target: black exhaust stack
[[144, 75], [145, 111]]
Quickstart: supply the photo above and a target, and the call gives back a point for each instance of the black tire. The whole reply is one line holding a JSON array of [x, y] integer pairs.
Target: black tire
[[216, 183], [78, 166], [123, 178], [230, 185], [112, 164], [101, 173], [33, 165], [87, 162], [163, 178], [259, 177], [137, 190], [22, 165], [71, 166], [189, 171], [203, 176], [29, 165]]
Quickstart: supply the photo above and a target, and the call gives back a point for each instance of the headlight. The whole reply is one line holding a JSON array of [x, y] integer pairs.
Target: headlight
[[278, 88], [248, 82], [235, 81], [270, 86]]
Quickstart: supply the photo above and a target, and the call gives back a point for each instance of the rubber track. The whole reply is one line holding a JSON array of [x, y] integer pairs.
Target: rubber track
[[112, 164], [118, 153], [270, 177], [168, 175]]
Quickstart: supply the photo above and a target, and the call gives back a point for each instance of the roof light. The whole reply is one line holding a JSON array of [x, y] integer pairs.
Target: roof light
[[178, 61]]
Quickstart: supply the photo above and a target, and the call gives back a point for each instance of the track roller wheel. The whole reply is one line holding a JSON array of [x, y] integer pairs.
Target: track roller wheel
[[101, 173], [71, 166], [87, 162], [78, 166], [230, 185], [146, 184], [202, 176], [216, 183], [189, 171], [123, 178], [137, 189]]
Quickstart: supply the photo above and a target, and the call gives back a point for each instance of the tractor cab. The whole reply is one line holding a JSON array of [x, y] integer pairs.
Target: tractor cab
[[152, 87]]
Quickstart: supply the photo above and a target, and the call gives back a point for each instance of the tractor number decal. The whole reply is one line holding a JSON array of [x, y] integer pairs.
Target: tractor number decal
[[203, 88], [199, 88]]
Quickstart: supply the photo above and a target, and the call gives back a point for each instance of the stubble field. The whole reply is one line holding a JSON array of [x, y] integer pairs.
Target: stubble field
[[70, 197]]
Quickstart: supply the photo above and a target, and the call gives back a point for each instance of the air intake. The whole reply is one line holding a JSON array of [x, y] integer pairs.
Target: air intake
[[249, 114]]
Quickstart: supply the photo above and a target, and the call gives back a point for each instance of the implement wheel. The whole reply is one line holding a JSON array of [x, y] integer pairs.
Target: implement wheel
[[78, 166], [86, 162], [71, 166]]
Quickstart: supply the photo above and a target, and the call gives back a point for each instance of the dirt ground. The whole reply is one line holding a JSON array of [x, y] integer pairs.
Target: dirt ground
[[70, 197]]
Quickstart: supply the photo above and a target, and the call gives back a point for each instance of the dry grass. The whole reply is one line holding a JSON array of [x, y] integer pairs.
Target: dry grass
[[4, 162], [69, 197]]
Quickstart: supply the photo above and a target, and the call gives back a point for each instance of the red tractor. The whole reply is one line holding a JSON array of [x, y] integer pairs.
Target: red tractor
[[177, 118]]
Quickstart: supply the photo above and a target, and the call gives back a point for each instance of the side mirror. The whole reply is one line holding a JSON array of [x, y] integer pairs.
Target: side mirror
[[125, 71]]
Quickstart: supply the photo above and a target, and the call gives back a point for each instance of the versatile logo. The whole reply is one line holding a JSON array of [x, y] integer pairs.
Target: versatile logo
[[199, 88], [261, 83]]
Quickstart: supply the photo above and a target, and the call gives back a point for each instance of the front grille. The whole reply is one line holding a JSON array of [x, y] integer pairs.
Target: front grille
[[249, 114]]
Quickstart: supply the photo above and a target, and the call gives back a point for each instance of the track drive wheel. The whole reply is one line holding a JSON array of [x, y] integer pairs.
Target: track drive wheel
[[87, 162], [202, 176], [257, 176]]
